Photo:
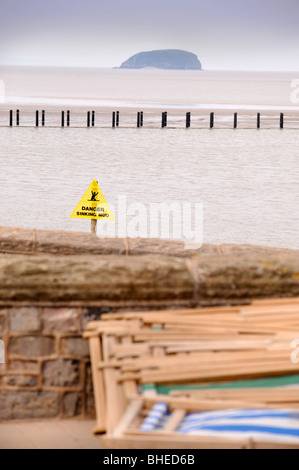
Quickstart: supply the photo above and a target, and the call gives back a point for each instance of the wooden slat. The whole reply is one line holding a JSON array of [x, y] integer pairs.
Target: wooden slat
[[146, 441], [193, 405], [174, 420], [115, 401], [267, 395], [98, 384], [129, 386], [129, 416], [234, 373]]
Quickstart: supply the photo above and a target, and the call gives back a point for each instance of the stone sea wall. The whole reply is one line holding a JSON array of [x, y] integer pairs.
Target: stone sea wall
[[53, 283]]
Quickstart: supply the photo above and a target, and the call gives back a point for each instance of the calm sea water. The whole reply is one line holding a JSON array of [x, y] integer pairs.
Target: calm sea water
[[247, 179]]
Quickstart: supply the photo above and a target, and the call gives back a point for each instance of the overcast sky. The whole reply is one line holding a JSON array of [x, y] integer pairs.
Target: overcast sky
[[225, 34]]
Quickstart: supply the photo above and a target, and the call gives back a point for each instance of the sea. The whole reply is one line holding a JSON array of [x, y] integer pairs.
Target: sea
[[246, 179]]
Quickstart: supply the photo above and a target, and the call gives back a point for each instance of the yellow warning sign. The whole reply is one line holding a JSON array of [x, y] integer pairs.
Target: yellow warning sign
[[93, 205]]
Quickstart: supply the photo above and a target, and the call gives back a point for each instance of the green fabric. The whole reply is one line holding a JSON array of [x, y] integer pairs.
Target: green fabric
[[256, 383], [148, 387]]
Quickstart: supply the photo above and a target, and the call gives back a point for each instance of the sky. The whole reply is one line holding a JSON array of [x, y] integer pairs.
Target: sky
[[224, 34]]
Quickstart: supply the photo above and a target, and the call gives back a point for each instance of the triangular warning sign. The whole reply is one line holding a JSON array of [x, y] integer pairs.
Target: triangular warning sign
[[93, 205]]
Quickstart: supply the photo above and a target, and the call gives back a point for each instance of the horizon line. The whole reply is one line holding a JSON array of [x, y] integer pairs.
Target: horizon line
[[90, 67]]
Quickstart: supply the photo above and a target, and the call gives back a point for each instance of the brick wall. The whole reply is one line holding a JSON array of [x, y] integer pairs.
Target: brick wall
[[47, 371]]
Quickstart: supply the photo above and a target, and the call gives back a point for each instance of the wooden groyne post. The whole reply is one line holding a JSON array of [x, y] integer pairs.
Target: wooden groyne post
[[62, 118], [117, 118], [164, 119], [36, 118], [68, 118], [188, 120], [281, 121], [140, 119], [43, 117], [211, 120], [17, 117], [93, 118], [113, 119], [258, 120], [235, 120], [88, 119]]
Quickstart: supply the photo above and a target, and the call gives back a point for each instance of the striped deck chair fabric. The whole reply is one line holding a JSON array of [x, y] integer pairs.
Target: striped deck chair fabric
[[269, 424]]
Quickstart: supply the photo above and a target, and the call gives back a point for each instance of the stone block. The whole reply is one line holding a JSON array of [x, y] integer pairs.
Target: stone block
[[60, 373], [75, 346], [60, 319], [31, 346], [24, 404], [24, 366], [72, 404], [23, 319], [108, 278], [20, 381]]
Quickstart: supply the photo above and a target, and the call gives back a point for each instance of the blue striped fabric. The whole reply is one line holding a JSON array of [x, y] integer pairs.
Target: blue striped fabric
[[269, 424], [155, 418]]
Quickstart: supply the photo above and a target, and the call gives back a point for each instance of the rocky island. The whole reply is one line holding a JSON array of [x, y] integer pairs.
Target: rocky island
[[163, 59]]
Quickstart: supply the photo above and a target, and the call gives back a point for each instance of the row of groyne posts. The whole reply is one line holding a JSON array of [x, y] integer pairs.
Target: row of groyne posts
[[40, 118]]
